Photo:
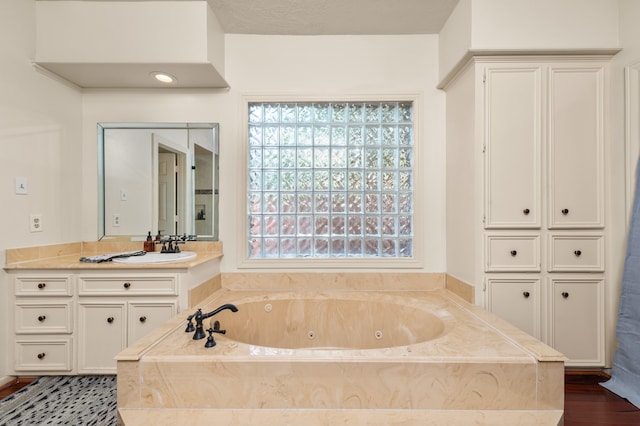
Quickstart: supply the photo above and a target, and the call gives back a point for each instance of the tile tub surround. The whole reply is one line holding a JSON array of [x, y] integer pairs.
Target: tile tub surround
[[478, 364]]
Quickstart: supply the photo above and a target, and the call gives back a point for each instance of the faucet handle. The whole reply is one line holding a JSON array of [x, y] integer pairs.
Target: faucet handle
[[216, 328], [210, 341], [190, 326]]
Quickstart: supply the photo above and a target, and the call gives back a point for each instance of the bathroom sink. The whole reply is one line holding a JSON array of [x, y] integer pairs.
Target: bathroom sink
[[157, 257]]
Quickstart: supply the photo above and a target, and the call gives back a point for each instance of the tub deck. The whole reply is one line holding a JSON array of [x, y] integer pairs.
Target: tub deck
[[481, 370]]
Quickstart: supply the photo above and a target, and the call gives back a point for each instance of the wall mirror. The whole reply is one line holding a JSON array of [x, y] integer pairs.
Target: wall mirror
[[158, 177]]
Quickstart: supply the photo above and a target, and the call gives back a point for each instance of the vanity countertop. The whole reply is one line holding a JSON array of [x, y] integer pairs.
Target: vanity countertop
[[67, 256]]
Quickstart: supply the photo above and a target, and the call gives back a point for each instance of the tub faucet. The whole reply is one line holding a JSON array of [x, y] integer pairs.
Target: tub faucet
[[200, 317]]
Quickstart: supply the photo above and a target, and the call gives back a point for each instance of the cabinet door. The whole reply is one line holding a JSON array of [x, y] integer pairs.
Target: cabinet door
[[577, 325], [517, 301], [512, 147], [102, 334], [145, 316], [576, 147]]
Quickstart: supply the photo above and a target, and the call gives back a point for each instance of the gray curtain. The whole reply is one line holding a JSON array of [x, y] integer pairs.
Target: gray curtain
[[625, 376]]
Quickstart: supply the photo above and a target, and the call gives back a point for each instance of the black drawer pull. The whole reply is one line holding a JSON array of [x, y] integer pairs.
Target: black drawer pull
[[42, 285], [126, 285], [526, 211], [514, 253], [577, 253], [41, 355], [526, 294], [42, 318], [143, 319], [565, 294], [110, 320], [564, 211]]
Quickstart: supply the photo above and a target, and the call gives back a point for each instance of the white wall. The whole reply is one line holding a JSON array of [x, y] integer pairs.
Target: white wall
[[462, 180], [327, 65], [539, 25], [40, 139]]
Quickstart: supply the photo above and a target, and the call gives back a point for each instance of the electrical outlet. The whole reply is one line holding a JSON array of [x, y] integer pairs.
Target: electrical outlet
[[35, 222], [115, 220]]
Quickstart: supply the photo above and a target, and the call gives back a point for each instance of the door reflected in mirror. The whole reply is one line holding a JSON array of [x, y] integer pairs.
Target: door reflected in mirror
[[158, 177]]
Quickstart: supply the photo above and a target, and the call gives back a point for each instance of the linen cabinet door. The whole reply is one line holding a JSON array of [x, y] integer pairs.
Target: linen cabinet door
[[102, 334], [512, 147], [145, 316], [577, 324], [516, 301], [576, 147]]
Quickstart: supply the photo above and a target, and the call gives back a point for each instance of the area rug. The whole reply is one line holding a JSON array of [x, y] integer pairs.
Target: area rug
[[62, 400]]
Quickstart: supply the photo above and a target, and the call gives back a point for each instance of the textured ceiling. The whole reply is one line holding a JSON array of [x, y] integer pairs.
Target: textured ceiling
[[319, 17], [330, 17]]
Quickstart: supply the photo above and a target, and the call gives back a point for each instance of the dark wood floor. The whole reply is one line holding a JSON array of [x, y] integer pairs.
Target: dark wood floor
[[586, 402]]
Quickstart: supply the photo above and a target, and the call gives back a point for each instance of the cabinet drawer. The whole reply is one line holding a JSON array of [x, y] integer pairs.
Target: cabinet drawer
[[512, 253], [43, 286], [576, 253], [161, 285], [43, 318], [44, 355]]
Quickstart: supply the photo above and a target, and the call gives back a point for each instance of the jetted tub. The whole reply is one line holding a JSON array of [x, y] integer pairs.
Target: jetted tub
[[338, 321], [345, 356]]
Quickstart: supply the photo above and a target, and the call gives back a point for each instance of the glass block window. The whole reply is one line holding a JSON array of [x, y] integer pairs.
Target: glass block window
[[330, 180]]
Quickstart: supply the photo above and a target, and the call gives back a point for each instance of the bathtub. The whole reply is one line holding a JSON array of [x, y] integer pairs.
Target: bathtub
[[346, 356], [340, 321]]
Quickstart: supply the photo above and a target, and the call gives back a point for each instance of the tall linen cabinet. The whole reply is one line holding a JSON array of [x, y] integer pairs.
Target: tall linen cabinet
[[527, 145]]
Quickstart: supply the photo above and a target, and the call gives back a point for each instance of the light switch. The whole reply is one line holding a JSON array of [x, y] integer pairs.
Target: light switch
[[21, 186]]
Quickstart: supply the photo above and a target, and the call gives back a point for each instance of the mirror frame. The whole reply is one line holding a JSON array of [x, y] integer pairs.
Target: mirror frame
[[190, 205]]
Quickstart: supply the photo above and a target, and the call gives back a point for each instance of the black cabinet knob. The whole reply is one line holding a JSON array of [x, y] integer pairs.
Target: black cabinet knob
[[526, 294], [41, 318], [41, 355], [126, 285], [577, 253], [41, 285], [143, 319], [565, 294], [564, 211], [110, 320], [514, 253], [526, 211]]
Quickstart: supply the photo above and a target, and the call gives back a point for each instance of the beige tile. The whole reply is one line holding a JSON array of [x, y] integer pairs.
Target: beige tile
[[460, 288], [204, 290], [326, 417], [404, 351], [333, 281]]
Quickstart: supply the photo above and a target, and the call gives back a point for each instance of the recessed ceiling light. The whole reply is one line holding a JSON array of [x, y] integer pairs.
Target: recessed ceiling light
[[163, 77]]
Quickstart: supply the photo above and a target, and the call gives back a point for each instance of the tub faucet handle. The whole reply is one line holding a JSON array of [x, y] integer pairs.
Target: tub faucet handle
[[216, 329], [190, 326], [210, 341]]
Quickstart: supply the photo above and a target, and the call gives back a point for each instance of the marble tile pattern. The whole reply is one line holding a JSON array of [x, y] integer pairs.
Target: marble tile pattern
[[456, 356], [326, 417], [66, 256]]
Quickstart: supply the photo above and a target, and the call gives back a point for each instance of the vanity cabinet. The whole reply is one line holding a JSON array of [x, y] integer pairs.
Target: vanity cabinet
[[75, 323], [115, 311], [43, 323], [537, 129]]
